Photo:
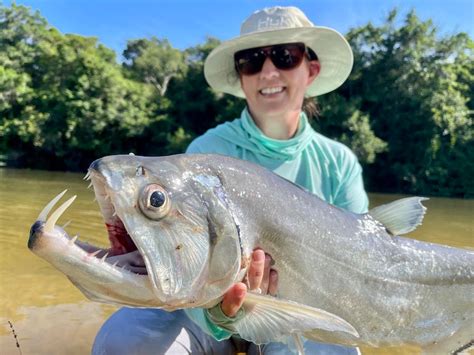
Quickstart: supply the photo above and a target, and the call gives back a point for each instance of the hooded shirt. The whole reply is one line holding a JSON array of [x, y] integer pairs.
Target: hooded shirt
[[323, 166]]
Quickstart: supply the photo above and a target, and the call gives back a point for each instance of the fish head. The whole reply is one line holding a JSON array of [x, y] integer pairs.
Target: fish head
[[177, 217]]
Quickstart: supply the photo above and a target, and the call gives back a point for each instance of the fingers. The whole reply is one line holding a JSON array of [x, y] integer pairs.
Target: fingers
[[233, 299], [260, 276], [273, 283], [266, 274], [256, 269]]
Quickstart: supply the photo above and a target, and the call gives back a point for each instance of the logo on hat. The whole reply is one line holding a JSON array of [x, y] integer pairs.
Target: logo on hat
[[269, 22]]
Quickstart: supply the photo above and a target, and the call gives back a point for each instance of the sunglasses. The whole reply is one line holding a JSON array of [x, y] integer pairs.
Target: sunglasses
[[283, 56]]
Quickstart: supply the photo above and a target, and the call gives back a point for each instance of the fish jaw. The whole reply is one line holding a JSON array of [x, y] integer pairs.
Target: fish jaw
[[175, 281], [89, 271]]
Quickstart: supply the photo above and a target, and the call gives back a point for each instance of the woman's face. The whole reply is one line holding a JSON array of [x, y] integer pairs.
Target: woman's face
[[274, 92]]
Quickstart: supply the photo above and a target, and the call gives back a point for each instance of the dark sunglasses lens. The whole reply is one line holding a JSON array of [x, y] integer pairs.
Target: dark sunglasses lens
[[284, 56], [249, 61], [287, 56]]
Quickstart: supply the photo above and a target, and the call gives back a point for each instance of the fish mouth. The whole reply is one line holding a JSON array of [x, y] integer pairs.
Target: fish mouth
[[111, 275], [123, 251], [122, 258]]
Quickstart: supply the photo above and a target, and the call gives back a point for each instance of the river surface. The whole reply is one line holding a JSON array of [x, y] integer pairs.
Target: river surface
[[50, 316]]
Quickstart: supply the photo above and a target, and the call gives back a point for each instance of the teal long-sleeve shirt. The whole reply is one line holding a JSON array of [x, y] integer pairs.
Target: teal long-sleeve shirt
[[323, 166]]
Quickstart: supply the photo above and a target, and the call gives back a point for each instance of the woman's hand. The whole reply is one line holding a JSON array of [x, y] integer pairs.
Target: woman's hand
[[260, 278]]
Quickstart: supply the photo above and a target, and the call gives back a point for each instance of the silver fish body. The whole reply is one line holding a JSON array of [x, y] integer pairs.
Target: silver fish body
[[195, 219]]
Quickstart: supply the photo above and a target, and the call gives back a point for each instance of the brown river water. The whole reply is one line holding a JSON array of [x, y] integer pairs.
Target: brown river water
[[50, 316]]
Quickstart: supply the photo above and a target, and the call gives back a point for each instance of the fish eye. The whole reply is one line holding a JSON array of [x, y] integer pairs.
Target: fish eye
[[154, 201], [157, 199]]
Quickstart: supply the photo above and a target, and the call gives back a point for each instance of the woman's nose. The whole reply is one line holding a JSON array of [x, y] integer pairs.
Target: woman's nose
[[268, 69]]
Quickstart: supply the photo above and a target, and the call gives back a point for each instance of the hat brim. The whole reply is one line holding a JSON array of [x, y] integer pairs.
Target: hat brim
[[333, 51]]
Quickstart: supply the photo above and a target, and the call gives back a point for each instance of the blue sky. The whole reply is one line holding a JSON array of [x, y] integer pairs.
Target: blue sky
[[186, 23]]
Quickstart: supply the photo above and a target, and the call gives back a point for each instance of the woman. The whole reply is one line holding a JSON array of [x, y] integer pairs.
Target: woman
[[279, 59]]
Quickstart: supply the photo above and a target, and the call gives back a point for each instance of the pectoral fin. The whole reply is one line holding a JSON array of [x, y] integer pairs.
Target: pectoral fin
[[272, 319]]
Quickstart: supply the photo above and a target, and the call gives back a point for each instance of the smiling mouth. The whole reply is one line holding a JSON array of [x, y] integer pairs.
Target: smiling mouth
[[272, 90]]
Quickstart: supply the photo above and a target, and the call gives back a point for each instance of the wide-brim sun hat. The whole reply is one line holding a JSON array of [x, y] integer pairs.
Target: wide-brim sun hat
[[277, 25]]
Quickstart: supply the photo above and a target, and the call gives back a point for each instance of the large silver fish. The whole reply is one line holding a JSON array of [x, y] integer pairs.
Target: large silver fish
[[194, 220]]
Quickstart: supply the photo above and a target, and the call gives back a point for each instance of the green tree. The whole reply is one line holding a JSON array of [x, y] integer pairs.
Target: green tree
[[406, 109], [342, 119], [153, 61], [194, 106], [71, 102], [20, 35], [192, 102], [416, 89]]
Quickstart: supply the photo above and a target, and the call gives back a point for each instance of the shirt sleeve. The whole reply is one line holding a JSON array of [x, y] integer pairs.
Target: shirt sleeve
[[351, 194], [194, 147], [199, 316]]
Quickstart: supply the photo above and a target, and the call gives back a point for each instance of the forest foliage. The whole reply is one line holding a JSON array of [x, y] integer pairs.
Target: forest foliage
[[406, 109]]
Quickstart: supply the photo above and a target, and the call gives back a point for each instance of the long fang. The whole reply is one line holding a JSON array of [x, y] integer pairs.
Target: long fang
[[49, 225], [44, 213]]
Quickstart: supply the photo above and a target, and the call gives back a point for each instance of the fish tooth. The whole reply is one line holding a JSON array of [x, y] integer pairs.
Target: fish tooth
[[104, 257], [49, 225], [44, 213], [115, 264], [88, 175], [66, 224], [73, 239], [95, 253], [90, 185]]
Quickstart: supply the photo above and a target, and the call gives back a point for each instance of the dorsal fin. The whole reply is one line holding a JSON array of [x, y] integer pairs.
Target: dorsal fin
[[400, 216]]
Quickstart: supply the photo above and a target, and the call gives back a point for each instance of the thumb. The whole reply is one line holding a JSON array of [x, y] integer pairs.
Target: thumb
[[233, 299]]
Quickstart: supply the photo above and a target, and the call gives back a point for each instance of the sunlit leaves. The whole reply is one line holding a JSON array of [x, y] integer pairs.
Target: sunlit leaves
[[416, 88], [406, 109]]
